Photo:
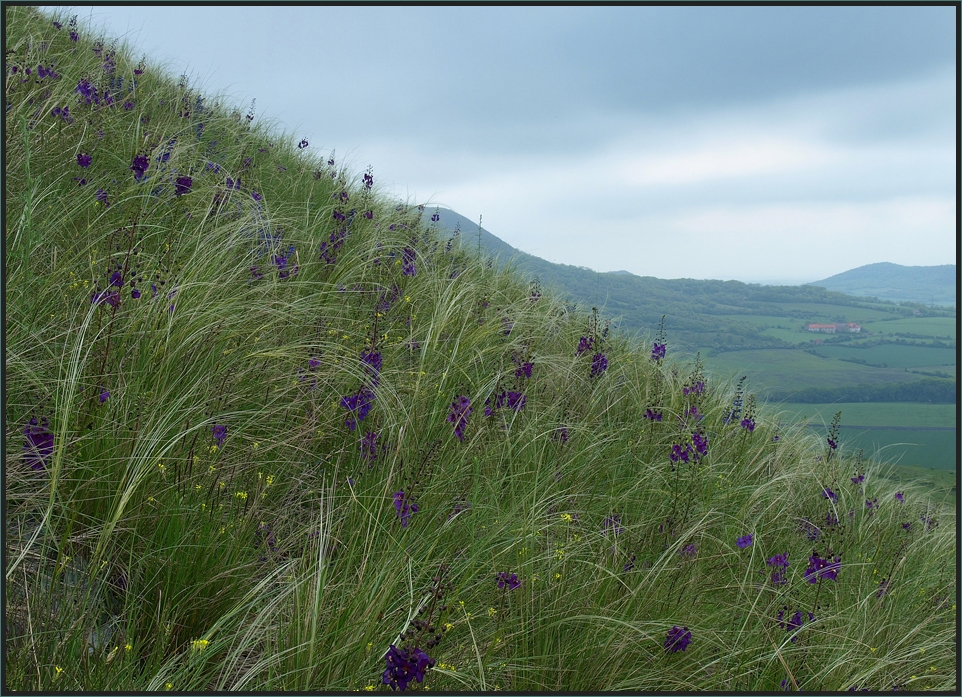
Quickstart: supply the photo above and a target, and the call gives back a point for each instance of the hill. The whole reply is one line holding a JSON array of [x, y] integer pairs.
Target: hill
[[929, 285], [265, 430]]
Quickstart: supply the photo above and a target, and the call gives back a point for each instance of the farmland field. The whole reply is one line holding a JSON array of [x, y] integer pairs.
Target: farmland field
[[793, 369], [876, 414], [923, 326], [895, 355]]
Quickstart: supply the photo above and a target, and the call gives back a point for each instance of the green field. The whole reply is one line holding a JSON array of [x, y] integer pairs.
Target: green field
[[876, 413], [923, 326], [793, 369], [895, 355]]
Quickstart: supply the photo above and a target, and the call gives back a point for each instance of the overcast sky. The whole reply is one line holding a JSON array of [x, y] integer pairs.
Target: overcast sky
[[761, 144]]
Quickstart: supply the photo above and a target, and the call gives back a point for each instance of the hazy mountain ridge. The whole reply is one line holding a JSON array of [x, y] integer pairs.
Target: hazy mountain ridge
[[930, 285], [692, 307]]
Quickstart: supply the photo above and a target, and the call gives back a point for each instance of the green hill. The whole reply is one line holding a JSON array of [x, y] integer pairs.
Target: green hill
[[930, 285], [266, 431]]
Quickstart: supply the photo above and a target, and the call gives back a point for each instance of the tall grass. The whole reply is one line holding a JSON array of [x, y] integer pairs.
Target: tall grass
[[191, 509]]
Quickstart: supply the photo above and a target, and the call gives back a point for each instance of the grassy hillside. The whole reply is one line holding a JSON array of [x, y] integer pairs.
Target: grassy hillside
[[265, 430]]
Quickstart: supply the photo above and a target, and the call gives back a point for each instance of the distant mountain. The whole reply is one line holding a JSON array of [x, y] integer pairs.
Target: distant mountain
[[693, 308], [929, 285]]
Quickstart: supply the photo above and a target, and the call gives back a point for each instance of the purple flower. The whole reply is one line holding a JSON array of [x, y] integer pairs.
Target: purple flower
[[372, 364], [697, 388], [256, 196], [510, 582], [793, 623], [653, 415], [677, 453], [612, 524], [303, 144], [39, 444], [748, 425], [128, 106], [139, 166], [822, 568], [74, 36], [700, 442], [313, 363], [219, 431], [516, 400], [899, 497], [101, 196], [678, 639], [63, 113], [458, 415], [658, 351], [405, 509], [117, 279], [405, 665], [135, 293], [359, 405], [369, 182], [599, 364], [561, 434], [744, 542], [407, 267], [688, 551], [584, 345], [524, 370], [182, 185], [369, 446], [83, 160], [829, 494], [858, 479], [104, 395], [833, 444], [779, 561]]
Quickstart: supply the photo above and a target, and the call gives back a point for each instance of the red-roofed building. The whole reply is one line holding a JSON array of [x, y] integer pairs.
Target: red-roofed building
[[827, 328]]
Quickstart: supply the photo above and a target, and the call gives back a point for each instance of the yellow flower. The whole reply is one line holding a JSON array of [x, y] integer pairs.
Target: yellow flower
[[369, 688], [58, 669], [241, 495], [566, 517], [448, 626], [256, 445], [370, 646], [270, 480], [557, 577], [559, 553], [170, 685], [492, 612], [160, 466], [128, 647], [873, 648], [199, 644]]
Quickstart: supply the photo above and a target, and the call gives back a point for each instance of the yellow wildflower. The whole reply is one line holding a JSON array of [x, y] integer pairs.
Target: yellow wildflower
[[199, 644], [566, 517], [241, 495]]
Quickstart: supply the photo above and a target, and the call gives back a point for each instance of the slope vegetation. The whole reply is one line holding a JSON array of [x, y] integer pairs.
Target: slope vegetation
[[265, 430]]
